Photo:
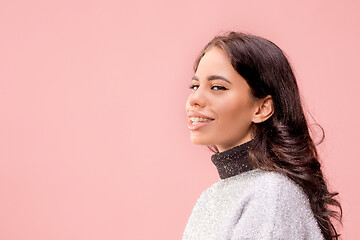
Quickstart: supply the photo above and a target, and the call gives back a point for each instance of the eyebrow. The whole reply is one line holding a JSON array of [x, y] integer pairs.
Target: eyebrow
[[212, 77]]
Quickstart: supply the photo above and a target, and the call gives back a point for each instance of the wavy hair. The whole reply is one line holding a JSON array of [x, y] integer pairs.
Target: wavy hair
[[282, 143]]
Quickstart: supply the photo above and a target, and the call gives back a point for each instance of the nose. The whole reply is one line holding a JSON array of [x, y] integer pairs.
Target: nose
[[197, 98]]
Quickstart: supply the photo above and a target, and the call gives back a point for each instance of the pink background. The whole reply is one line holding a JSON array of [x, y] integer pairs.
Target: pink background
[[93, 135]]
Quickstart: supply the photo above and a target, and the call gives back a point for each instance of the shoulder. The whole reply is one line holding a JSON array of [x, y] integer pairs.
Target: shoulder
[[277, 192], [271, 178], [277, 207], [286, 200], [265, 188], [270, 182], [257, 182]]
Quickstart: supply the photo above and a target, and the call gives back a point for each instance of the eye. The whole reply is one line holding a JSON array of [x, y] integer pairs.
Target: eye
[[193, 86], [218, 88]]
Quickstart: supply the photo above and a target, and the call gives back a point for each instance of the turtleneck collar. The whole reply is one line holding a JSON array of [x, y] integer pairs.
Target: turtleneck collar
[[233, 161]]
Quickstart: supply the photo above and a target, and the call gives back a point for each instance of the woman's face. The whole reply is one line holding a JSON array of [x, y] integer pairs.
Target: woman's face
[[220, 107]]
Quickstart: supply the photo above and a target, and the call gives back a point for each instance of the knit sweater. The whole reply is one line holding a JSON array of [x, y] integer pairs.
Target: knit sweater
[[249, 203]]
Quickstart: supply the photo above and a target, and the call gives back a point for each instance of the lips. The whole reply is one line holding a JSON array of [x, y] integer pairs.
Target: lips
[[198, 120]]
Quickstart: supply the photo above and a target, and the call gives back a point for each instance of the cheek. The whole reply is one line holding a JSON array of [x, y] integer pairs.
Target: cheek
[[236, 114]]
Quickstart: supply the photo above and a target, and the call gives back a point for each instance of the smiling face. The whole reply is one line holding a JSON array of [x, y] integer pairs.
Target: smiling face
[[220, 107]]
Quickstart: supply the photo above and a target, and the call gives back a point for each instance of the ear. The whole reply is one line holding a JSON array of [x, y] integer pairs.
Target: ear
[[264, 109]]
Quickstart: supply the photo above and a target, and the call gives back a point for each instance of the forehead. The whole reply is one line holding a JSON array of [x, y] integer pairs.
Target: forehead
[[215, 61]]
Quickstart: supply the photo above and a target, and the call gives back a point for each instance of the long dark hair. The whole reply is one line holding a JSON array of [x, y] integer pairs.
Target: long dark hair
[[282, 143]]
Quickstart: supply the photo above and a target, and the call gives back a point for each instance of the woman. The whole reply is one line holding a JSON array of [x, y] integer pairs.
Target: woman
[[245, 106]]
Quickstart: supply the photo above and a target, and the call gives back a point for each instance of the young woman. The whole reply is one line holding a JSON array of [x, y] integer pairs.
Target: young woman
[[245, 106]]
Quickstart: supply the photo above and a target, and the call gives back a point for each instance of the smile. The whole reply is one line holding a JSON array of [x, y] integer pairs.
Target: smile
[[198, 120], [196, 123]]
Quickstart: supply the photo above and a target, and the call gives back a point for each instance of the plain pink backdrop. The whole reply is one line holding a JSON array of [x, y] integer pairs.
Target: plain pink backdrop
[[93, 135]]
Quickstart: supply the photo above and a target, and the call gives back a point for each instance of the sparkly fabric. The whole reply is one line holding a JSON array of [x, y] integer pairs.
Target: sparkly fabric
[[252, 205], [233, 161]]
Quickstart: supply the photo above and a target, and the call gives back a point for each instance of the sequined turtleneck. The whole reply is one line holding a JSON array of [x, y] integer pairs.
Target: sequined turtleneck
[[254, 204], [233, 161]]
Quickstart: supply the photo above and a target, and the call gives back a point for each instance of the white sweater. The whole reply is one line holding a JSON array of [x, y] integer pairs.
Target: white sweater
[[252, 205]]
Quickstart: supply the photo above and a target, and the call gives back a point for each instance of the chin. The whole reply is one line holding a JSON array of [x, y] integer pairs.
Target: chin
[[199, 141]]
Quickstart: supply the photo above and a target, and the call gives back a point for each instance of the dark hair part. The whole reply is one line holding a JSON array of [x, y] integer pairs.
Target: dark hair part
[[282, 143]]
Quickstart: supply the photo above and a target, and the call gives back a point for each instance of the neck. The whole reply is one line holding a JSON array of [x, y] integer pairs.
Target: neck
[[233, 161]]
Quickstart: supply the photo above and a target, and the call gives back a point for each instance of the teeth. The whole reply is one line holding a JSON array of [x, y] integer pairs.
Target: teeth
[[197, 120]]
